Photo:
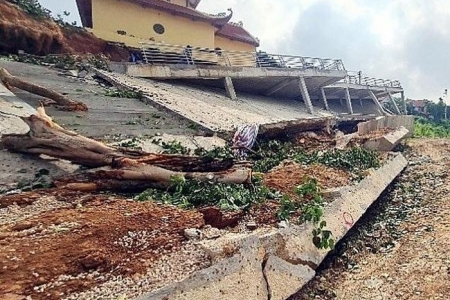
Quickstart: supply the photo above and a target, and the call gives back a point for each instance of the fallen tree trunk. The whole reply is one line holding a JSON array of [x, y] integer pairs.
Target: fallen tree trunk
[[122, 169], [62, 101]]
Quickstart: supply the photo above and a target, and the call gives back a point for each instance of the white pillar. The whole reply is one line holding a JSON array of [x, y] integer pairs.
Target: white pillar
[[305, 95], [229, 88], [349, 101], [324, 99], [377, 103], [397, 110]]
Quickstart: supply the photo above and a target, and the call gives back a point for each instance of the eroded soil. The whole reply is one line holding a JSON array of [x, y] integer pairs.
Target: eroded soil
[[69, 249]]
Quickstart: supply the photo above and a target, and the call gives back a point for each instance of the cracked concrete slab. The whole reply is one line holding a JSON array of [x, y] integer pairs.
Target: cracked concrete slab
[[223, 280], [211, 108], [284, 278], [283, 259], [388, 141]]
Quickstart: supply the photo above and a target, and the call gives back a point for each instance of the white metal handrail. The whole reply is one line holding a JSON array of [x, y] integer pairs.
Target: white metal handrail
[[160, 54], [358, 78]]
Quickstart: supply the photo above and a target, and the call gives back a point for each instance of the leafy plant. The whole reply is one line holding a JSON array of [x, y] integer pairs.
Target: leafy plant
[[33, 8], [192, 193], [172, 147], [312, 211], [133, 143], [323, 239]]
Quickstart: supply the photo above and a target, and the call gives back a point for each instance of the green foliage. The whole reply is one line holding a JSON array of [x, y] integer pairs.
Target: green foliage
[[172, 147], [269, 154], [287, 208], [133, 143], [323, 239], [217, 152], [33, 8], [124, 94], [192, 193], [426, 128], [312, 211], [353, 160]]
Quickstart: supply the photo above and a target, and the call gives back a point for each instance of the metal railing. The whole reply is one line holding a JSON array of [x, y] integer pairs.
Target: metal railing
[[163, 54], [358, 78]]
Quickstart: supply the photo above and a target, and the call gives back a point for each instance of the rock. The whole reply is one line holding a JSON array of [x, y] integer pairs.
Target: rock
[[283, 224], [251, 225], [193, 234]]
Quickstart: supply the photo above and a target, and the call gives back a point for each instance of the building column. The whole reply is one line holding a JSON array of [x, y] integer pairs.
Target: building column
[[405, 109], [305, 95], [229, 88], [324, 99], [377, 103], [397, 110], [349, 101]]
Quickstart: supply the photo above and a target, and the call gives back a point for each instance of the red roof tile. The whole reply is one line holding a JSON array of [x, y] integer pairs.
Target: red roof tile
[[85, 9], [236, 32]]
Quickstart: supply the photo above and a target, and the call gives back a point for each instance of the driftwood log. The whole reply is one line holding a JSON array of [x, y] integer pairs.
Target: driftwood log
[[117, 169], [62, 102]]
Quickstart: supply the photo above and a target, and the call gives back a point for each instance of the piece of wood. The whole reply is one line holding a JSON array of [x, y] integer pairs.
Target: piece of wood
[[62, 101], [121, 169]]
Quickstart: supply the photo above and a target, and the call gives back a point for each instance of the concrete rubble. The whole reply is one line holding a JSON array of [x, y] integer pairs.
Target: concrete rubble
[[388, 141], [276, 263]]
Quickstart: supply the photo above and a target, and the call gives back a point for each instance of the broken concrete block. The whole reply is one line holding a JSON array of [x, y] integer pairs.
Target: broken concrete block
[[285, 279], [388, 141], [237, 277]]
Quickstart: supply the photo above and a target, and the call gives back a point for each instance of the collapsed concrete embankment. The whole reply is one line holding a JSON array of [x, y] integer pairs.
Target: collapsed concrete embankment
[[275, 264]]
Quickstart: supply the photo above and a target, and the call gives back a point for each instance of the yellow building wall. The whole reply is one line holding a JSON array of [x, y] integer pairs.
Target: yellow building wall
[[110, 16], [227, 44]]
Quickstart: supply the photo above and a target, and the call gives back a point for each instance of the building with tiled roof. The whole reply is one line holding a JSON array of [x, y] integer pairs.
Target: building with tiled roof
[[163, 21]]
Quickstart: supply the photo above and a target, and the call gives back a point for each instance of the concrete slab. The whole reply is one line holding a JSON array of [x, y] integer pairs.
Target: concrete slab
[[108, 118], [211, 108], [388, 141], [18, 169], [234, 278], [285, 279]]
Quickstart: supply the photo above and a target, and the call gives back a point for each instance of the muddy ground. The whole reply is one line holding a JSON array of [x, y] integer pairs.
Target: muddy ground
[[400, 249]]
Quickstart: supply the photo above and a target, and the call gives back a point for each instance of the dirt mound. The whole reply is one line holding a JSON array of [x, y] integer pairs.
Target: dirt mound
[[20, 31], [68, 250], [289, 175]]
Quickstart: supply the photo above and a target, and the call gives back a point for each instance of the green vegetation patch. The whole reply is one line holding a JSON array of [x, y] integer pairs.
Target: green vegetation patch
[[427, 128], [192, 193]]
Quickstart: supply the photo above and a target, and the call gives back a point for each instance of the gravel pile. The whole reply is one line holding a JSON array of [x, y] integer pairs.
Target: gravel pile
[[169, 268]]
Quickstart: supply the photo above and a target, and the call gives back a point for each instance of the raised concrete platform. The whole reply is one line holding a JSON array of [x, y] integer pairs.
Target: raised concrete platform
[[276, 263], [277, 82], [210, 108]]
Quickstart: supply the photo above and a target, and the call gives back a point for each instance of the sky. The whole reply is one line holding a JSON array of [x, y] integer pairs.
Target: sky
[[405, 40]]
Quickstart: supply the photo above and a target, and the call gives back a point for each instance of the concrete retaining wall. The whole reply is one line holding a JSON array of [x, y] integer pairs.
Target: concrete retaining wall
[[393, 122], [276, 263]]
